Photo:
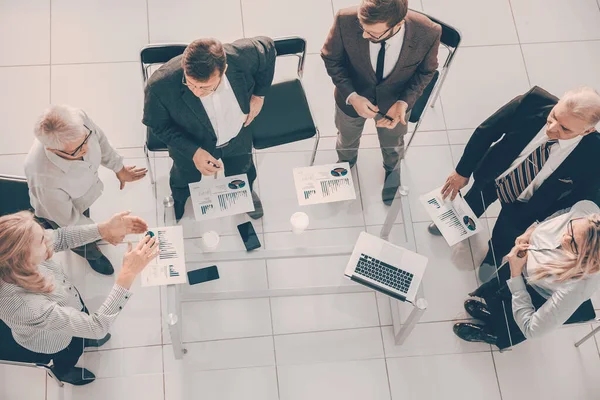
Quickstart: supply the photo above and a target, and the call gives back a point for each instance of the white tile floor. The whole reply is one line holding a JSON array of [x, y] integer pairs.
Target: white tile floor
[[309, 347]]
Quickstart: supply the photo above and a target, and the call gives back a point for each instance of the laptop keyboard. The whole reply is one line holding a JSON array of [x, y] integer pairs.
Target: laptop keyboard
[[383, 273]]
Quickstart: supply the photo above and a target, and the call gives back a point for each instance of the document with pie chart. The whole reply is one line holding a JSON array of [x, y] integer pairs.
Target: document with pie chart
[[324, 184], [221, 197]]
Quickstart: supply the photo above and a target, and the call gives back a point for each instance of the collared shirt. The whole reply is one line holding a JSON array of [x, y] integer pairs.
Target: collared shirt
[[558, 153], [47, 322], [563, 297], [61, 190], [224, 112]]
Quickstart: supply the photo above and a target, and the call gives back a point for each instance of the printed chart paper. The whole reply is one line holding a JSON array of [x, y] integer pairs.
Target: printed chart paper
[[324, 184], [455, 219], [221, 197], [169, 266]]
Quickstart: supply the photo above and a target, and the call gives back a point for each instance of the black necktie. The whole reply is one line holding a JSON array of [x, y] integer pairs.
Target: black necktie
[[380, 61]]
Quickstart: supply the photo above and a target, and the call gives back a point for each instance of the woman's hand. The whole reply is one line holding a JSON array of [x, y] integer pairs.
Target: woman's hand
[[136, 259], [517, 258], [121, 224]]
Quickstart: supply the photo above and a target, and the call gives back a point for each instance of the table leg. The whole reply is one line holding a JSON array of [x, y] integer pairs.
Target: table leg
[[174, 320]]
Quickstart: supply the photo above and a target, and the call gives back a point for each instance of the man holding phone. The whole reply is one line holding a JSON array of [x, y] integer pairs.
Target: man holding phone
[[380, 57], [201, 105]]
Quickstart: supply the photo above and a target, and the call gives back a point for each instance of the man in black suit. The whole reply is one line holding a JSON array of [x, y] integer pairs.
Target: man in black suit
[[201, 105], [537, 155]]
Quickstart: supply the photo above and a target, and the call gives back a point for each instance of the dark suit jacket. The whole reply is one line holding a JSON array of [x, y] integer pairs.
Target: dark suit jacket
[[177, 117], [513, 127], [346, 57]]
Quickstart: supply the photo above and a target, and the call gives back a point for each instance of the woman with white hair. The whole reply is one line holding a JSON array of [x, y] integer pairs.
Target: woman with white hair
[[62, 173], [42, 316]]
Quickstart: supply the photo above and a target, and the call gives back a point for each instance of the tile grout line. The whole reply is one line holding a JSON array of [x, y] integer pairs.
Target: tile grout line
[[148, 21], [242, 18], [274, 349], [50, 54], [520, 44], [496, 373]]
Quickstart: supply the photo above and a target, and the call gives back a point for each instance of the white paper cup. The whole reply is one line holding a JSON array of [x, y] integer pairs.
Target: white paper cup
[[210, 240], [299, 222]]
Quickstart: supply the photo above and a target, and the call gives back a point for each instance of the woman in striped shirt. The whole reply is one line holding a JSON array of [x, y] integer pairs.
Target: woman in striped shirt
[[43, 315]]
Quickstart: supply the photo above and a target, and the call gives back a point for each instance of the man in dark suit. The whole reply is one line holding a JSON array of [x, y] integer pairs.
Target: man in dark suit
[[380, 57], [537, 155], [201, 105]]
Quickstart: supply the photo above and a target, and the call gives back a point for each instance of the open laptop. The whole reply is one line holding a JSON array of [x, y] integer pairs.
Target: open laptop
[[385, 267]]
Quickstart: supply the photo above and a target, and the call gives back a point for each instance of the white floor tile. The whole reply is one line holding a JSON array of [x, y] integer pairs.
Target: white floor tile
[[319, 91], [24, 28], [123, 363], [137, 387], [555, 20], [22, 383], [323, 312], [233, 277], [481, 80], [111, 94], [24, 96], [85, 32], [183, 21], [12, 164], [354, 380], [493, 24], [312, 238], [231, 384], [460, 136], [337, 4], [465, 376], [429, 138], [538, 367], [332, 346], [312, 272]]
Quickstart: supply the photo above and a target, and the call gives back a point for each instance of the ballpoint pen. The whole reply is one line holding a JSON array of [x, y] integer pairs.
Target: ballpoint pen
[[382, 115]]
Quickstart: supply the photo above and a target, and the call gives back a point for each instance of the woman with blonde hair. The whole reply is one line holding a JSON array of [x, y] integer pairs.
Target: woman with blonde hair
[[553, 272], [42, 316]]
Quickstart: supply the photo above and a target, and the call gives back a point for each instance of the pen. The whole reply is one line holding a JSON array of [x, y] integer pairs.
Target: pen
[[383, 115], [213, 164]]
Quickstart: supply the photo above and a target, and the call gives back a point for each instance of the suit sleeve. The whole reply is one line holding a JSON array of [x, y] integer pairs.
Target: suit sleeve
[[490, 131], [157, 117], [334, 57], [263, 64], [419, 81]]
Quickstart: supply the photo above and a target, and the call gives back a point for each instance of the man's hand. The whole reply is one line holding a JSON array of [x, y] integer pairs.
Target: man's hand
[[205, 163], [119, 225], [397, 113], [256, 104], [363, 106], [453, 184], [130, 174], [517, 258]]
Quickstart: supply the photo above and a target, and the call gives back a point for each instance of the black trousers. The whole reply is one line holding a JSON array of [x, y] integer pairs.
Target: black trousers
[[236, 157], [498, 298]]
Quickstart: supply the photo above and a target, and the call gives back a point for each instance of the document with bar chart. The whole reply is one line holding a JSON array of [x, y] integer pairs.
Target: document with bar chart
[[455, 219], [169, 267], [324, 184], [221, 197]]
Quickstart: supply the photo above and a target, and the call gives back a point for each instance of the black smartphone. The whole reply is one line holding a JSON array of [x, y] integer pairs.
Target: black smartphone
[[249, 236], [203, 275]]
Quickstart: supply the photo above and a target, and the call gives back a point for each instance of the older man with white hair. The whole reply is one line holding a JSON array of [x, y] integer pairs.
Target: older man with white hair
[[62, 173]]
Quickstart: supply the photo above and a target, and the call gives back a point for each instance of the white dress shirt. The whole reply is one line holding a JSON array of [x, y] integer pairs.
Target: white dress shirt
[[224, 112], [558, 153], [61, 190], [563, 297], [393, 47]]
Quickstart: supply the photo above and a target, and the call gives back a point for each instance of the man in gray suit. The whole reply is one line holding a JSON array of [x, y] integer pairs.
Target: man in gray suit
[[201, 105], [380, 56]]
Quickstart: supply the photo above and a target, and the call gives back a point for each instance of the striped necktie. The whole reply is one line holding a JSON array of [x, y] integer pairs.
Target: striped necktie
[[510, 186]]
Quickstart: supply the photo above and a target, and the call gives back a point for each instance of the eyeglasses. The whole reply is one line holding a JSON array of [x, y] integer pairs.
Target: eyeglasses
[[570, 232], [202, 89], [78, 149], [377, 37]]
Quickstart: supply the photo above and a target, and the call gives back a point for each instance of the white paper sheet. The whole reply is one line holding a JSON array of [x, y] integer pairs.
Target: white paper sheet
[[214, 198], [324, 184], [169, 266], [455, 219]]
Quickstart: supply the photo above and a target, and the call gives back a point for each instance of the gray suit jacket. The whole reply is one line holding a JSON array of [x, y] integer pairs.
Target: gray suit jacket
[[177, 117], [346, 57]]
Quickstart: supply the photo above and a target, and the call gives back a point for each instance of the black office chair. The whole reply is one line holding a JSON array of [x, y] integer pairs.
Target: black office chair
[[155, 55], [15, 194], [450, 40], [286, 116]]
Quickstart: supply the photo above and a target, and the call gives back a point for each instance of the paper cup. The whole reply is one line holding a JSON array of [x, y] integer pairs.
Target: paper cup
[[299, 222], [210, 240]]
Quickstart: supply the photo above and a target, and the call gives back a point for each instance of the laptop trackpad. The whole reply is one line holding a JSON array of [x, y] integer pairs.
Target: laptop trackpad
[[391, 255]]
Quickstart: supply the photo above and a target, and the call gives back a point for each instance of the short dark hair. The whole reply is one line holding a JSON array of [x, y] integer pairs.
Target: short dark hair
[[389, 11], [202, 58]]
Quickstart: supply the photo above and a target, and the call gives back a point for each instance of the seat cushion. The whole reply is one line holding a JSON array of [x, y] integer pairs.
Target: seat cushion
[[284, 118], [153, 143]]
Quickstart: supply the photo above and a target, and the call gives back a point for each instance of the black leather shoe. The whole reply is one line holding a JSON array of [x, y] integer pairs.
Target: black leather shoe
[[96, 342], [258, 208], [390, 186], [179, 207], [474, 333], [76, 376], [477, 309], [102, 266], [433, 229]]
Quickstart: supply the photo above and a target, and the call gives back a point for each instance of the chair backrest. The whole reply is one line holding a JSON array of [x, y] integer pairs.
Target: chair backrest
[[421, 103], [450, 35], [154, 54], [15, 194], [292, 46]]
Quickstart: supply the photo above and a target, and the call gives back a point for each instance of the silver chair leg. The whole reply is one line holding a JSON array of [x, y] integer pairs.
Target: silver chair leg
[[315, 148], [150, 169], [586, 337], [51, 373]]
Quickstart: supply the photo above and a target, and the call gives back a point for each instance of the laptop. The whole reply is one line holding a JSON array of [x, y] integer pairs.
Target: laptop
[[385, 267]]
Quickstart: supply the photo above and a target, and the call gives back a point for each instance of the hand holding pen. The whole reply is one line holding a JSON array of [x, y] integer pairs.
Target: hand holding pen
[[206, 163]]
